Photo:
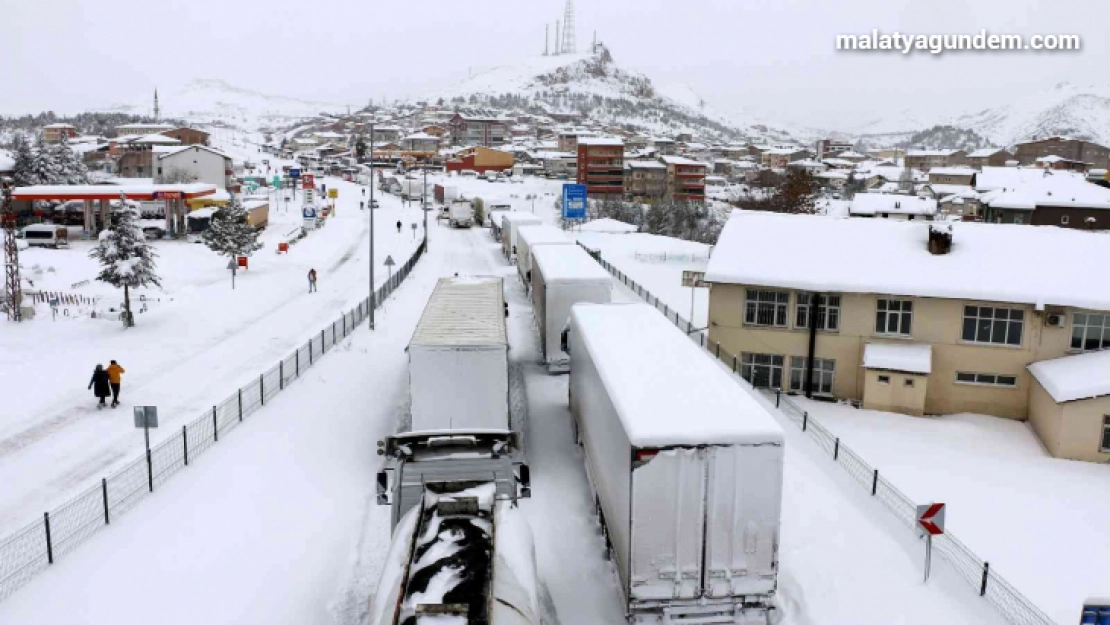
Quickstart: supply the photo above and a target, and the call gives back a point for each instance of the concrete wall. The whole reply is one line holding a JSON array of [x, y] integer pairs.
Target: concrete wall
[[1081, 430], [901, 392], [206, 166], [1046, 416]]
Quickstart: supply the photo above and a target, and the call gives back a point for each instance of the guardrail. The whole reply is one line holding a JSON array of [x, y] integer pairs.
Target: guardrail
[[42, 542], [972, 569]]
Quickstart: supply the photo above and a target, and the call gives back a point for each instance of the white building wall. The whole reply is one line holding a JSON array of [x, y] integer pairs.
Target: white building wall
[[207, 166]]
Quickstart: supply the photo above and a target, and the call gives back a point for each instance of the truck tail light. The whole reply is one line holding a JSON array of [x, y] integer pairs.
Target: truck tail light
[[645, 455]]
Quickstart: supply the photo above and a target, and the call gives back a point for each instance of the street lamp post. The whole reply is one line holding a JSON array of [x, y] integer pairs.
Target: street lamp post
[[424, 205], [373, 299]]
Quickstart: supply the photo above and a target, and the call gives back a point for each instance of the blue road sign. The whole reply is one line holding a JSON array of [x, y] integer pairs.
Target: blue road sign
[[309, 212], [574, 201], [294, 172]]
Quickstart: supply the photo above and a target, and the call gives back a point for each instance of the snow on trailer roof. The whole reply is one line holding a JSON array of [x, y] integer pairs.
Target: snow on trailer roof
[[891, 257], [608, 226], [542, 233], [1081, 376], [910, 357], [568, 263], [666, 390], [463, 311]]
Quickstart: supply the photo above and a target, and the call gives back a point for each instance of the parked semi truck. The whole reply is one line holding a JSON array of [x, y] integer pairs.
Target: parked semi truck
[[511, 224], [685, 464], [562, 276], [460, 214], [531, 237]]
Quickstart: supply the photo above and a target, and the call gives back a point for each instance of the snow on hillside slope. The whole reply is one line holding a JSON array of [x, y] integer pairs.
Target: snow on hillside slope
[[207, 101], [1066, 109]]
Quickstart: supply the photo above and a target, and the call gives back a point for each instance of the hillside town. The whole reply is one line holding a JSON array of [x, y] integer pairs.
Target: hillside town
[[605, 355]]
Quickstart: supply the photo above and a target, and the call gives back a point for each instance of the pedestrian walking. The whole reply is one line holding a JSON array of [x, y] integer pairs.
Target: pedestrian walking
[[364, 190], [311, 280], [114, 373], [362, 206], [99, 385], [398, 226]]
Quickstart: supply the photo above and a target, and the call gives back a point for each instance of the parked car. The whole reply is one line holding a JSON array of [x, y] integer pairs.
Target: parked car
[[45, 235]]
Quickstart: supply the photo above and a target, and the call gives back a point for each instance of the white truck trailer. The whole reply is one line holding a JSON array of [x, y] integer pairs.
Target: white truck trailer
[[562, 276], [459, 357], [686, 466], [510, 225], [460, 214], [494, 219], [530, 238]]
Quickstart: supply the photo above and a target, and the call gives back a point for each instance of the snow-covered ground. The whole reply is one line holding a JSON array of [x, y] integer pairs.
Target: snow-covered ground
[[278, 523], [197, 342], [1040, 521]]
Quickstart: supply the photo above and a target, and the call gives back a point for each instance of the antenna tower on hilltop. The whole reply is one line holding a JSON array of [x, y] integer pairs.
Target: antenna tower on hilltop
[[570, 44]]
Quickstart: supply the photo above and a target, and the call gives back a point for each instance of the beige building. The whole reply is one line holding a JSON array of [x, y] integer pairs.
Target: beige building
[[925, 160], [989, 157], [645, 180], [914, 317]]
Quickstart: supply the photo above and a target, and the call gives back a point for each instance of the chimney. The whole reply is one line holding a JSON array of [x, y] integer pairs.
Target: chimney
[[940, 239]]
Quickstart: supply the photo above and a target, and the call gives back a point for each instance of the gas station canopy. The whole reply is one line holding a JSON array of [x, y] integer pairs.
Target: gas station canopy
[[112, 192]]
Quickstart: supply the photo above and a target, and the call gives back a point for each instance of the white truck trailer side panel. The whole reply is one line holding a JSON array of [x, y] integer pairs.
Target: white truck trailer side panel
[[459, 387], [532, 237], [562, 276], [513, 222]]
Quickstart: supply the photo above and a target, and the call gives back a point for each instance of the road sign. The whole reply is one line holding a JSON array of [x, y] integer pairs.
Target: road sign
[[308, 211], [389, 261], [574, 201], [146, 416], [1096, 611], [167, 195], [695, 279], [231, 264], [333, 193], [308, 181], [930, 518], [294, 172]]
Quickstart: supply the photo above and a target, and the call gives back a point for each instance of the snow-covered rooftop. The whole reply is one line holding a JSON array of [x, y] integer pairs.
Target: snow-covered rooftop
[[567, 263], [645, 165], [875, 203], [891, 257], [931, 152], [1051, 190], [602, 141], [607, 226], [985, 152], [991, 178], [910, 357], [952, 171], [1074, 377], [666, 390], [682, 160], [463, 311], [163, 153], [541, 234]]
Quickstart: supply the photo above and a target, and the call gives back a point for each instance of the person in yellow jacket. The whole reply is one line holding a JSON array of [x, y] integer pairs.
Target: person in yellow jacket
[[114, 373]]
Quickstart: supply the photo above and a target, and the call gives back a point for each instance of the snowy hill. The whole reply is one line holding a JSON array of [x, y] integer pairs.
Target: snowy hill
[[593, 83], [1077, 110], [211, 101]]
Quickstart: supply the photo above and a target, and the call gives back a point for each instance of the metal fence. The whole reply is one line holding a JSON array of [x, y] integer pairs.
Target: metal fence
[[40, 543], [976, 572]]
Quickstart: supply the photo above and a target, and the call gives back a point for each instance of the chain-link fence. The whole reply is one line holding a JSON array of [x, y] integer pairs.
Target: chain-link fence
[[976, 572], [39, 544]]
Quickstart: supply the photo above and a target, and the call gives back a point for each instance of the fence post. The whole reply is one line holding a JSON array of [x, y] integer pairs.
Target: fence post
[[836, 449], [215, 425], [702, 339], [49, 542], [734, 371], [310, 352], [986, 574], [149, 472], [718, 350], [104, 492], [333, 333], [281, 375], [298, 361], [323, 347], [805, 420], [185, 442], [778, 397], [344, 324], [874, 482]]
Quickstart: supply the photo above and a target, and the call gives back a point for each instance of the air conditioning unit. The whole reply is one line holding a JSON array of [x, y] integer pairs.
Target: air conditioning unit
[[1054, 320]]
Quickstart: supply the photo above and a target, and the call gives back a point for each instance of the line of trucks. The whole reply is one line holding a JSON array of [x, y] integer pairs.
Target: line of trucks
[[685, 465]]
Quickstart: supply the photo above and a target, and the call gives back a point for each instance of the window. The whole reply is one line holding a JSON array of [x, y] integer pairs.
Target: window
[[824, 369], [762, 370], [828, 312], [884, 379], [1064, 219], [989, 379], [1105, 434], [987, 324], [1090, 331], [908, 382], [766, 308], [894, 316]]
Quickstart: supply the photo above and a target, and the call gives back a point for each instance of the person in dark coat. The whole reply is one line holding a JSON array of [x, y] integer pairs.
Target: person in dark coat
[[100, 385]]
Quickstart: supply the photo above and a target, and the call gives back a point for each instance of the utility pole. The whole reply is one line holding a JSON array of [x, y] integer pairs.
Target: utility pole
[[424, 206], [13, 288], [372, 298]]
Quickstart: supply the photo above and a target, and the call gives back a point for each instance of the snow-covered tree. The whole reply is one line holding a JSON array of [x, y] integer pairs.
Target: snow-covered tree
[[24, 157], [44, 168], [71, 169], [126, 258], [229, 234]]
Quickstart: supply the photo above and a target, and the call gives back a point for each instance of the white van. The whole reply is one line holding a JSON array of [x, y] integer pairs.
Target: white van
[[45, 235]]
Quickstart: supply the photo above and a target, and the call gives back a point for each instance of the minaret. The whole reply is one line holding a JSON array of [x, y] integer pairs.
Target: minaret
[[546, 38], [157, 113], [570, 45]]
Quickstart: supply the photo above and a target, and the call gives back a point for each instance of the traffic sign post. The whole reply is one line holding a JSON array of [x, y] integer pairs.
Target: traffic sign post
[[389, 263], [234, 267], [146, 417], [414, 231], [930, 522], [574, 201], [694, 280]]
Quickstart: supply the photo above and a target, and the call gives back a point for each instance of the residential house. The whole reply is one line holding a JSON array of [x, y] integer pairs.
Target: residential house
[[1060, 163], [1060, 199], [854, 157], [142, 129], [560, 164], [568, 139], [188, 136], [777, 158], [921, 318], [194, 163], [664, 146], [53, 133], [807, 165], [434, 130], [952, 175], [925, 160], [645, 181], [685, 178], [1096, 155], [421, 142], [385, 133], [483, 131], [601, 165], [989, 157], [893, 206], [829, 147], [481, 159], [886, 153]]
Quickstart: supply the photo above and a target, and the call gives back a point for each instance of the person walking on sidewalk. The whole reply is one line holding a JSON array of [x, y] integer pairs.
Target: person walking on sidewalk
[[398, 226], [99, 385], [311, 280], [114, 373]]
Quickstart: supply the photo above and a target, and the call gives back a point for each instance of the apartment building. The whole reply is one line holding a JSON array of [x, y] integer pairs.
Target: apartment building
[[685, 178], [568, 139], [194, 163], [601, 165], [952, 175], [142, 129], [831, 147], [645, 181], [989, 157], [483, 131], [777, 158], [188, 136], [925, 160], [53, 133], [1098, 156], [921, 318]]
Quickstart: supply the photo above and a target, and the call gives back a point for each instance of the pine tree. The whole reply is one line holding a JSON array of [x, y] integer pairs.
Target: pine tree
[[44, 169], [126, 259], [229, 234], [24, 157], [71, 169]]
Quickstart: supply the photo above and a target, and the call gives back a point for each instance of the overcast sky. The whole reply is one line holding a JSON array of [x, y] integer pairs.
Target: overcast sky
[[773, 58]]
